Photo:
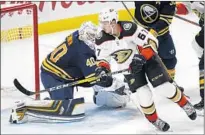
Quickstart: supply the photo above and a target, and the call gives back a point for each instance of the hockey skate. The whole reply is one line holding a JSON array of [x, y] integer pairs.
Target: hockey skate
[[200, 105], [190, 111], [161, 125], [18, 113]]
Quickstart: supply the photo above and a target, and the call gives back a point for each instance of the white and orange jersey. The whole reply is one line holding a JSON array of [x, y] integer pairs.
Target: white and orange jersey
[[122, 49]]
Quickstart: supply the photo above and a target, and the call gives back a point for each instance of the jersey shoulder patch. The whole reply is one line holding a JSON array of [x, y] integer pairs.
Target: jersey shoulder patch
[[128, 28], [103, 37]]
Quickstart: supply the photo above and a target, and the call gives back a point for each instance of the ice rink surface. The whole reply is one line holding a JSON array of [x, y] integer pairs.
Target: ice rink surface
[[128, 120]]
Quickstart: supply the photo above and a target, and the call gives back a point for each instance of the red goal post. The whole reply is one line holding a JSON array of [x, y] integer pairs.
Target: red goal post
[[24, 32]]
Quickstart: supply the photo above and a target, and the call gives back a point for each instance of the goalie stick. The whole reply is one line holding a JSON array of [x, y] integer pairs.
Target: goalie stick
[[90, 79], [186, 20]]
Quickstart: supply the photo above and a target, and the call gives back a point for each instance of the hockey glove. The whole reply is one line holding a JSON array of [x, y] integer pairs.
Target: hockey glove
[[105, 78], [137, 63], [182, 8], [153, 32]]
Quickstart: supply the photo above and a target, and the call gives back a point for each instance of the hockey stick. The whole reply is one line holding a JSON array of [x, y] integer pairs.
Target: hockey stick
[[186, 20], [134, 19], [30, 93], [179, 17]]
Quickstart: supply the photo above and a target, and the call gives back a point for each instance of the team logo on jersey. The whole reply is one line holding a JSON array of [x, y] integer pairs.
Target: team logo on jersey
[[121, 55], [132, 81], [127, 26], [149, 13]]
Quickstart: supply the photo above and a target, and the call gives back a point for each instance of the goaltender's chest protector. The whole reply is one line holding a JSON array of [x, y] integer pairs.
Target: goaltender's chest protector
[[120, 49]]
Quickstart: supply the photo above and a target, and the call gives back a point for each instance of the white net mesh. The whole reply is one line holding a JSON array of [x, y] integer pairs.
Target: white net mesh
[[17, 48]]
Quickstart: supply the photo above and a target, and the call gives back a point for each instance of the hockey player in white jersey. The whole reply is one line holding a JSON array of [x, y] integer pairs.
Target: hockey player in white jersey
[[132, 46], [198, 43]]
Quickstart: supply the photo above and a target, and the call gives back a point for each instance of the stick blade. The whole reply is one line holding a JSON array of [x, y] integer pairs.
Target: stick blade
[[22, 89]]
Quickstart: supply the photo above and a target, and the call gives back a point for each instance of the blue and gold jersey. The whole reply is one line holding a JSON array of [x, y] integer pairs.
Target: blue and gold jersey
[[71, 60], [155, 15]]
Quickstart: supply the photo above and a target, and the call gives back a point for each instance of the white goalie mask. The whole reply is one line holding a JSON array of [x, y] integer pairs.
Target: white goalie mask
[[87, 33]]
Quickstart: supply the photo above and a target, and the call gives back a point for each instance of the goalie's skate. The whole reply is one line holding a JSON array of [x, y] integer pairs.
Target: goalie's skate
[[161, 125], [190, 111], [18, 113]]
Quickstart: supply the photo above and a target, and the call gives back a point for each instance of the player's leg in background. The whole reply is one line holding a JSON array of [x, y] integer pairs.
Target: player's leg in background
[[199, 43], [138, 85], [62, 94], [167, 53], [200, 105]]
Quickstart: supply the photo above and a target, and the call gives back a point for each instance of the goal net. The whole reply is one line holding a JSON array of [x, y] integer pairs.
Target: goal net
[[19, 46]]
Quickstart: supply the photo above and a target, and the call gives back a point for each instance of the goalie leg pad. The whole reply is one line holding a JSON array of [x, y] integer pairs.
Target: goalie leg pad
[[156, 72], [52, 110], [136, 80], [167, 51], [65, 108]]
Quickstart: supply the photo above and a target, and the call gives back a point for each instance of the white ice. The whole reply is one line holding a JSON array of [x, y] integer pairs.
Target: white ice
[[126, 120]]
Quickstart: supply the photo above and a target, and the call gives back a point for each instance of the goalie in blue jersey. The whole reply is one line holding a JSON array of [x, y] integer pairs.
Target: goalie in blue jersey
[[74, 59]]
